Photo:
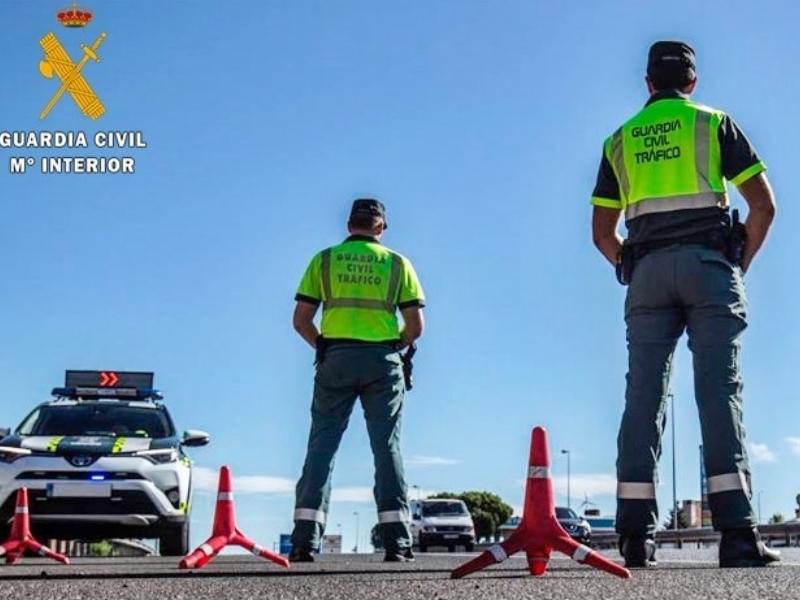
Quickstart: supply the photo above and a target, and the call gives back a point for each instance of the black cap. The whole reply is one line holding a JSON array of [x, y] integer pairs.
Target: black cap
[[663, 53], [369, 207]]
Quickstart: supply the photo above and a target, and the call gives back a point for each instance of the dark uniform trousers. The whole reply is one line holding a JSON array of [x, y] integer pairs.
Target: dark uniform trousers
[[375, 374], [677, 288]]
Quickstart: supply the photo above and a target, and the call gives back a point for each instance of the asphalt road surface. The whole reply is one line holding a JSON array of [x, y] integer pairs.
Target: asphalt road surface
[[681, 575]]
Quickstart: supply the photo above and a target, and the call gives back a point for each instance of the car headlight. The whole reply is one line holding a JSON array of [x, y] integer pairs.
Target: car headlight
[[9, 454], [160, 456]]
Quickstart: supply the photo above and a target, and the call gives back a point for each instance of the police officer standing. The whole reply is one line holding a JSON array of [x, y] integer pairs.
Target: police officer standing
[[684, 259], [361, 284]]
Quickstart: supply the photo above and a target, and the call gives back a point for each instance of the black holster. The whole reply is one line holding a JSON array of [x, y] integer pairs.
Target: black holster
[[736, 240], [408, 366], [625, 263], [322, 347]]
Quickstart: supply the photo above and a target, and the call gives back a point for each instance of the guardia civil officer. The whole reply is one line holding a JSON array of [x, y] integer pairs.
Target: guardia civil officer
[[684, 259], [361, 285]]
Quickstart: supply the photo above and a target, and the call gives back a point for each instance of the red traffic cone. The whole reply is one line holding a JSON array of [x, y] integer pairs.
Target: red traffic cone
[[539, 532], [225, 532], [21, 538]]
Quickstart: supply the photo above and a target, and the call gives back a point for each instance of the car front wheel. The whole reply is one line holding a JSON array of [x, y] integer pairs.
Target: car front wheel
[[175, 540]]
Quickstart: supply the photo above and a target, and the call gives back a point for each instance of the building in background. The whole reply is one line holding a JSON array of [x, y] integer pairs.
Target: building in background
[[331, 544]]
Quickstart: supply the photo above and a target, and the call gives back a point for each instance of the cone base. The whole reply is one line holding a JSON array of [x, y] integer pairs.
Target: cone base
[[540, 532]]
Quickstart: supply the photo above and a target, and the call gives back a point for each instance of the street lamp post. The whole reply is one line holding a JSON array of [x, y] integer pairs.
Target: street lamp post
[[569, 494], [759, 507], [355, 548], [674, 484]]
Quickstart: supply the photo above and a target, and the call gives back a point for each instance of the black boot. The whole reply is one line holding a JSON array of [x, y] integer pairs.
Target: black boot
[[744, 548], [639, 551], [300, 554]]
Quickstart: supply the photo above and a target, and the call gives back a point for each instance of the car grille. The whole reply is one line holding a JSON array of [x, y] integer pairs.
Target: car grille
[[120, 503], [451, 528], [77, 475]]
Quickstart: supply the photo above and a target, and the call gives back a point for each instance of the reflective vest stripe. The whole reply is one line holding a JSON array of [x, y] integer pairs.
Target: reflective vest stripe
[[309, 514], [392, 516], [394, 284], [702, 149], [356, 303], [325, 267], [618, 160], [538, 472], [670, 203], [728, 482], [388, 304], [636, 491]]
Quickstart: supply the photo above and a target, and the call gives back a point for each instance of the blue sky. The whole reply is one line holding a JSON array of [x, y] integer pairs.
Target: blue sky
[[480, 125]]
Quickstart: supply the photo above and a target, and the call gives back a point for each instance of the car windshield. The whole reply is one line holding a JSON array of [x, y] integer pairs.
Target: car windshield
[[565, 513], [97, 419], [439, 509]]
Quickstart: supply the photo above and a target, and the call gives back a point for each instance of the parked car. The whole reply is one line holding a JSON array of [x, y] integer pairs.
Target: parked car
[[442, 522], [101, 460], [577, 527]]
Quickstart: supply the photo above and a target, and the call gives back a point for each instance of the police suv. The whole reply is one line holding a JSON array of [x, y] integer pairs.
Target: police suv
[[101, 460]]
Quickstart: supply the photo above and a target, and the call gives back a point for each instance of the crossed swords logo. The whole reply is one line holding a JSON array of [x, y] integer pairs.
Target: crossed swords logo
[[57, 60]]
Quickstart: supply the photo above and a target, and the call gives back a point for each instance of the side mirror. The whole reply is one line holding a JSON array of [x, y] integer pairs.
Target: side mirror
[[195, 437], [4, 431]]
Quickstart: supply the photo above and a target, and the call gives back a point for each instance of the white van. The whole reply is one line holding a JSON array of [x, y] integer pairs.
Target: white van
[[442, 522]]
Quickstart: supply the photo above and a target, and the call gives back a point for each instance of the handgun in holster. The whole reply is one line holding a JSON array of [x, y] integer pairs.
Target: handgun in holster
[[625, 263], [408, 366], [736, 240], [321, 346]]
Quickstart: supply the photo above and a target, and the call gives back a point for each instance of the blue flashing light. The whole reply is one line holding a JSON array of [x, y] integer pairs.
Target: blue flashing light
[[100, 392], [98, 478]]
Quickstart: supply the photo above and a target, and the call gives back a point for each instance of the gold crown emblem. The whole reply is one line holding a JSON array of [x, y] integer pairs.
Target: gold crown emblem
[[74, 17]]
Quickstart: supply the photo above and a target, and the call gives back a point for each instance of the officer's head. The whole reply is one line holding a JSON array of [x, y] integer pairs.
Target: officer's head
[[368, 216], [671, 66]]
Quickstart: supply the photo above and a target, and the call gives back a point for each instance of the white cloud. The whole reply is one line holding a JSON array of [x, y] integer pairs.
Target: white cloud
[[205, 479], [761, 453], [429, 461], [353, 494], [598, 484], [794, 442]]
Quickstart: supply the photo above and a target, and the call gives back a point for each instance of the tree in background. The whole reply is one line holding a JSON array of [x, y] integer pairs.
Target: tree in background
[[488, 511], [776, 519], [683, 522], [103, 548]]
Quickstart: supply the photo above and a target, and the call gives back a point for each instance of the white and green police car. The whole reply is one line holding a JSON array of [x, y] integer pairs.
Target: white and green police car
[[101, 460]]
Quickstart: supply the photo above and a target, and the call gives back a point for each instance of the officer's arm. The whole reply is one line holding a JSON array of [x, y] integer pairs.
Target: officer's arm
[[604, 232], [761, 203], [303, 321], [414, 323]]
